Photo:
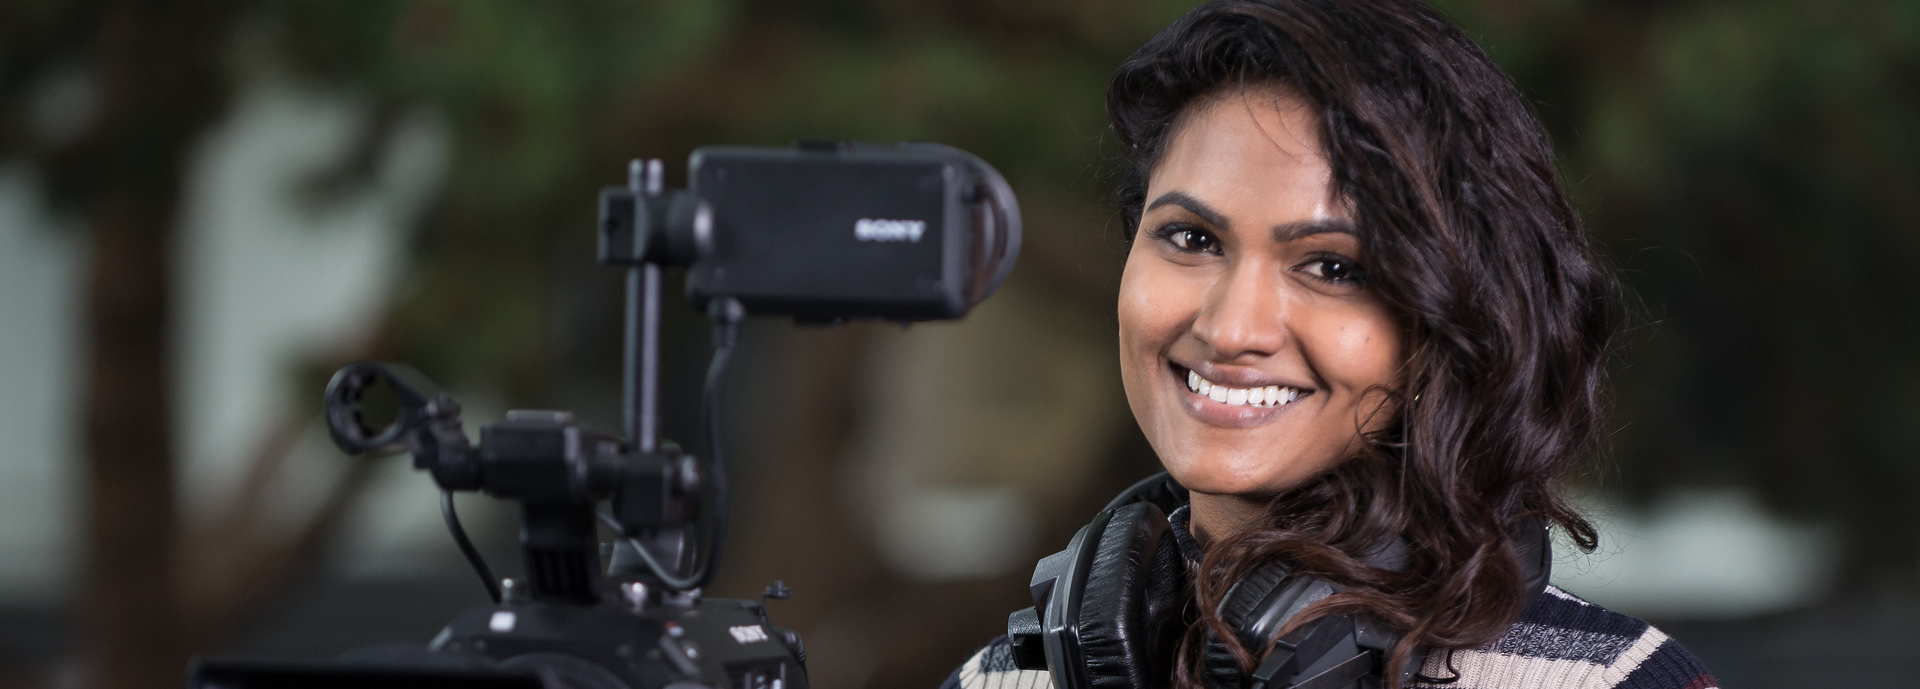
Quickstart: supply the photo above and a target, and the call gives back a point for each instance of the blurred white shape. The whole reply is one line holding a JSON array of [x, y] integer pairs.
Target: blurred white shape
[[1698, 554], [39, 357], [952, 533], [267, 279], [263, 279]]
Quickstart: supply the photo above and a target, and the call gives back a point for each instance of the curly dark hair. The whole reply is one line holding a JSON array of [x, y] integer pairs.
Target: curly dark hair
[[1508, 313]]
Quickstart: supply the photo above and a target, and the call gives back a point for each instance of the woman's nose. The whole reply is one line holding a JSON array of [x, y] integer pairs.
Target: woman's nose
[[1243, 314]]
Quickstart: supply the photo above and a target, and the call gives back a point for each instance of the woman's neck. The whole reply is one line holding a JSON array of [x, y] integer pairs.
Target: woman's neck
[[1213, 518]]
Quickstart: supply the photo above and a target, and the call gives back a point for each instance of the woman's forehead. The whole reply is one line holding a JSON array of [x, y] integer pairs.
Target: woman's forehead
[[1252, 156]]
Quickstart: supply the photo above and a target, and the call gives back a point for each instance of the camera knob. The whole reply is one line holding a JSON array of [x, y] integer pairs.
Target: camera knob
[[687, 477], [635, 594], [511, 592]]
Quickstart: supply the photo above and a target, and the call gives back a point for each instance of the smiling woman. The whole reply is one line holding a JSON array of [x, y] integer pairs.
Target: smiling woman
[[1363, 330], [1247, 280]]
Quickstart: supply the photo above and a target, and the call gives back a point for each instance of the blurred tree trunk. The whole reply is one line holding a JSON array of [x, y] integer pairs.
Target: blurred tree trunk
[[125, 602], [155, 69]]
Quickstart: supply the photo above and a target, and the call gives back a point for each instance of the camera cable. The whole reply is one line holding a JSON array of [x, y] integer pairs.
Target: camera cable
[[466, 546], [727, 313]]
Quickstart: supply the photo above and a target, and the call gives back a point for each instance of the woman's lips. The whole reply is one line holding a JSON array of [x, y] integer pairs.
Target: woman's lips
[[1219, 404]]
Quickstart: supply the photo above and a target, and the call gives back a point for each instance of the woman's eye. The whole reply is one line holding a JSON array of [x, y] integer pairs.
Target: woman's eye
[[1191, 240], [1334, 269]]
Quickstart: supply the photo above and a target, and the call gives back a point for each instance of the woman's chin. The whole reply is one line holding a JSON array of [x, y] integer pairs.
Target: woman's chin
[[1212, 477]]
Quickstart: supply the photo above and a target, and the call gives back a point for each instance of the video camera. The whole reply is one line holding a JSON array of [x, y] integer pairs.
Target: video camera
[[822, 232]]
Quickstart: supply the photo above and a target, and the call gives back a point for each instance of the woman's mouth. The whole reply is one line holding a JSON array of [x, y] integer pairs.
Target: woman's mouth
[[1256, 396], [1267, 396], [1229, 405]]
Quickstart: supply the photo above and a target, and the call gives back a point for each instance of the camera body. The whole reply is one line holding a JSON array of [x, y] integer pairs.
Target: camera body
[[529, 644], [819, 232]]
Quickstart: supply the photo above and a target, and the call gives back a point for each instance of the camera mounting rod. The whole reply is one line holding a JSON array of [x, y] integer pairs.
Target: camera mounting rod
[[640, 398], [645, 227]]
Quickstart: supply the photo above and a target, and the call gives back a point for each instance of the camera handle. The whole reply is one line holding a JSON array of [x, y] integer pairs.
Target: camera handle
[[646, 227]]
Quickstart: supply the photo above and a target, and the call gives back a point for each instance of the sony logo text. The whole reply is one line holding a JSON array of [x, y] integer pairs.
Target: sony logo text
[[872, 230], [747, 633]]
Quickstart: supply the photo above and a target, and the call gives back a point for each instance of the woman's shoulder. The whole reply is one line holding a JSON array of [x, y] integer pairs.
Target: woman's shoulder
[[1561, 641], [1564, 641], [992, 668]]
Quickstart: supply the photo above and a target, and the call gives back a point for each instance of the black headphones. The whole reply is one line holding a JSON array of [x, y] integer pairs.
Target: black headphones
[[1100, 609]]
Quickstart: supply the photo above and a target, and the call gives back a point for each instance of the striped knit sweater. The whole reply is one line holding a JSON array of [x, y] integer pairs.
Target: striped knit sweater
[[1560, 641]]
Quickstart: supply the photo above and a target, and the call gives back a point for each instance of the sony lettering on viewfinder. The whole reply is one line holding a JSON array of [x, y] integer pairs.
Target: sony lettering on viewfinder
[[874, 230]]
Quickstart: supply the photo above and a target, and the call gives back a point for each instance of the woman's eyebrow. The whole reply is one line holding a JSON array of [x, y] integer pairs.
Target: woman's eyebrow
[[1307, 228], [1194, 206]]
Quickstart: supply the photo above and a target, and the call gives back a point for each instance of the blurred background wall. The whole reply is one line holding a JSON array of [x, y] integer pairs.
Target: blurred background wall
[[207, 206]]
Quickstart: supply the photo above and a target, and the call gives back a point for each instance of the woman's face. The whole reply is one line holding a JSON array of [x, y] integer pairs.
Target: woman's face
[[1252, 349]]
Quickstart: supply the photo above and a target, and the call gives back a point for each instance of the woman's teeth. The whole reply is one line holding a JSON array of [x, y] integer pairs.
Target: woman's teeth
[[1269, 396]]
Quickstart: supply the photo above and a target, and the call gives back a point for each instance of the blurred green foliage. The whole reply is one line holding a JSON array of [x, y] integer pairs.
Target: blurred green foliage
[[1754, 169]]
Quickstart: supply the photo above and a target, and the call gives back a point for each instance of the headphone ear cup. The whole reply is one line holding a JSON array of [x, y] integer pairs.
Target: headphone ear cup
[[1223, 669], [1241, 603], [1167, 593], [1127, 596], [1533, 545]]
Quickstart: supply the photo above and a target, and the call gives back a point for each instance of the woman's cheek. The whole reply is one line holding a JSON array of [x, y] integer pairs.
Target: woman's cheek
[[1362, 354], [1354, 346], [1375, 348], [1138, 351], [1147, 301]]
